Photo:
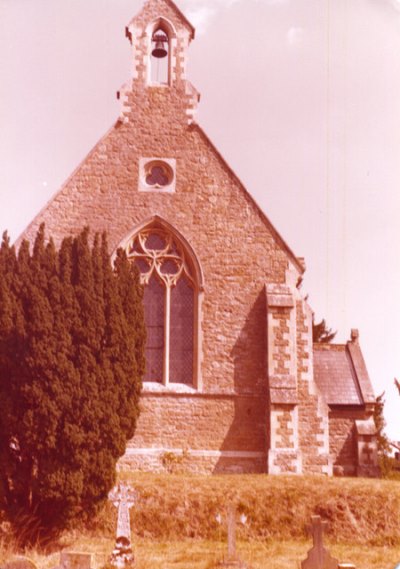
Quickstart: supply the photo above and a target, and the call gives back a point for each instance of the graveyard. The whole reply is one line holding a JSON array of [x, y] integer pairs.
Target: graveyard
[[182, 521]]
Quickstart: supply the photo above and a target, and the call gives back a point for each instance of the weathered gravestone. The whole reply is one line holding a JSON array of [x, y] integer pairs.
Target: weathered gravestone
[[72, 560], [19, 563], [232, 559], [123, 498], [318, 557]]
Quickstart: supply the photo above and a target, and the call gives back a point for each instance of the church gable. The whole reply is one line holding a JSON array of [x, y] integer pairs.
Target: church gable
[[110, 188], [229, 353]]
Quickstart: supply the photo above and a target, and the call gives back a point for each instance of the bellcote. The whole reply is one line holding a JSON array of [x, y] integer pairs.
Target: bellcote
[[160, 36]]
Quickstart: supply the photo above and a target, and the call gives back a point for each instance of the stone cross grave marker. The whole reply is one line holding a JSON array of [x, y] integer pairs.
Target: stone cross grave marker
[[232, 560], [123, 498], [318, 557]]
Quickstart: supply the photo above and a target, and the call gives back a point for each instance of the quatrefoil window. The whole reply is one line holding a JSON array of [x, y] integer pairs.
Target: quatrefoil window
[[158, 174]]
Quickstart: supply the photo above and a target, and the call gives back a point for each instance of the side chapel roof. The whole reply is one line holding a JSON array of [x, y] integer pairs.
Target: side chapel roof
[[341, 374]]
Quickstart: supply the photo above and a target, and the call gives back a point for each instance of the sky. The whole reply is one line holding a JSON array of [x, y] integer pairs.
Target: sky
[[301, 97]]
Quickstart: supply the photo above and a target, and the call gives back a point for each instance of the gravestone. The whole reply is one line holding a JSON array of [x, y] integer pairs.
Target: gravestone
[[123, 498], [72, 560], [346, 566], [232, 559], [19, 563], [318, 557]]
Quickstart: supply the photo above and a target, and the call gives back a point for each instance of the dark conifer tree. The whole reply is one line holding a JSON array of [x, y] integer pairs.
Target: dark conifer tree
[[321, 333], [71, 363]]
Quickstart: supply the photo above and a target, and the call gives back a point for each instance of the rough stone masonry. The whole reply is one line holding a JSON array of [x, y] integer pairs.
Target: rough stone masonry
[[233, 381]]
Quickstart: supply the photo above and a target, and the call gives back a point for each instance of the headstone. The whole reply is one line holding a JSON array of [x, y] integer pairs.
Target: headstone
[[123, 498], [232, 560], [318, 557], [72, 560], [20, 563], [231, 532], [346, 566]]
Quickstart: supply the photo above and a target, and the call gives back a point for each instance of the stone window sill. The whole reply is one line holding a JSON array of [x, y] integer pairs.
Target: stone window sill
[[153, 387]]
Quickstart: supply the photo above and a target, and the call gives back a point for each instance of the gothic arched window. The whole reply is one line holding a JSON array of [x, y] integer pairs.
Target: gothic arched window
[[170, 304]]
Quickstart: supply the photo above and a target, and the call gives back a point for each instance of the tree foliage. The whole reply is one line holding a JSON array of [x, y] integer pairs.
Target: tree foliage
[[72, 341], [321, 333], [383, 444], [380, 424]]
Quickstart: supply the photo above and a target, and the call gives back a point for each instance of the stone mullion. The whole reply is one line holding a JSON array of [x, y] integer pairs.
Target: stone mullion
[[167, 323]]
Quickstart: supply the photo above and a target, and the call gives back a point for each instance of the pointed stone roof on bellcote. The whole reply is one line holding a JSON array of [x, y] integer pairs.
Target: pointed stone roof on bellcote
[[158, 8], [160, 36]]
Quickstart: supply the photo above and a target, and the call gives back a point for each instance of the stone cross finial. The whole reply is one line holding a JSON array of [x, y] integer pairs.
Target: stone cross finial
[[318, 557], [123, 498]]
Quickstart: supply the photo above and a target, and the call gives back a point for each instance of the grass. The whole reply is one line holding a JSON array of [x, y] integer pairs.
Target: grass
[[174, 507], [174, 522], [195, 554]]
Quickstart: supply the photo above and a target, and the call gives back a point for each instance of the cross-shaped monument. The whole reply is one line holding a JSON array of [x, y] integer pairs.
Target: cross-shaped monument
[[123, 498], [232, 559], [318, 557]]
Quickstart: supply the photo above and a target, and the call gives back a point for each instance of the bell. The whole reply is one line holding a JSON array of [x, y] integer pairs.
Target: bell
[[159, 51]]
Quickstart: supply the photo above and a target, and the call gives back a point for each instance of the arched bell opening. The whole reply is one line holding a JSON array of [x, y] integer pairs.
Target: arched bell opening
[[160, 52]]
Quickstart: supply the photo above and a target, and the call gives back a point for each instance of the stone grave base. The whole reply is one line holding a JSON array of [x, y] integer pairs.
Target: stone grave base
[[232, 564]]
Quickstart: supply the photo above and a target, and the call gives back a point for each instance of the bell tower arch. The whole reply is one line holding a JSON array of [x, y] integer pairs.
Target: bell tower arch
[[160, 31], [160, 36]]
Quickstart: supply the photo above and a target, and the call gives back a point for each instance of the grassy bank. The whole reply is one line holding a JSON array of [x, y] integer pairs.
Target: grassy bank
[[174, 522], [173, 507]]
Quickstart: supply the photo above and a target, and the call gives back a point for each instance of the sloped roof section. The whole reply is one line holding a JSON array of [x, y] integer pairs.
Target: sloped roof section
[[341, 375], [174, 7]]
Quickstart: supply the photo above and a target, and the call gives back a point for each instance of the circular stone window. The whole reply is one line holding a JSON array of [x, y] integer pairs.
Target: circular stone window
[[157, 175]]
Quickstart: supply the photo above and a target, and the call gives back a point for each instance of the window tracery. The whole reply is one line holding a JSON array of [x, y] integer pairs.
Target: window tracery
[[170, 301]]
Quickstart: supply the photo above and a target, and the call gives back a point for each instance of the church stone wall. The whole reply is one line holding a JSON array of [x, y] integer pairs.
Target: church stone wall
[[313, 410], [236, 249], [256, 406], [204, 433], [343, 439]]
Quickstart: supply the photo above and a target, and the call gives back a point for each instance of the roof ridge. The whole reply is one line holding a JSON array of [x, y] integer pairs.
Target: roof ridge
[[174, 7]]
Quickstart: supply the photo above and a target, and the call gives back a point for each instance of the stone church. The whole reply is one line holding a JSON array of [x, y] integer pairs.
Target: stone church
[[233, 381]]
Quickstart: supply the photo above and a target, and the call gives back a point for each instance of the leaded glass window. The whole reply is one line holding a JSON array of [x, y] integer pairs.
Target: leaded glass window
[[154, 301], [169, 303]]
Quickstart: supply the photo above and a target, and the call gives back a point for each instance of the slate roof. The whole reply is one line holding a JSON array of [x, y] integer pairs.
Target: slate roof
[[341, 375]]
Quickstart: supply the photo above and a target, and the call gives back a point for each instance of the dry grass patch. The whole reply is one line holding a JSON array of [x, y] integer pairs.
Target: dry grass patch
[[195, 554], [175, 507], [174, 524]]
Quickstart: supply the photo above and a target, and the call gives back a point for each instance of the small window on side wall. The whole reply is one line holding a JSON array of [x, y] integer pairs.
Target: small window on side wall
[[157, 175]]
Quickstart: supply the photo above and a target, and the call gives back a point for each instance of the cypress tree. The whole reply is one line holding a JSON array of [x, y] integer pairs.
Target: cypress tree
[[71, 364]]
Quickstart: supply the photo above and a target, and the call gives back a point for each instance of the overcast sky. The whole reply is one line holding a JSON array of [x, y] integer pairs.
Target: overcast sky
[[302, 97]]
